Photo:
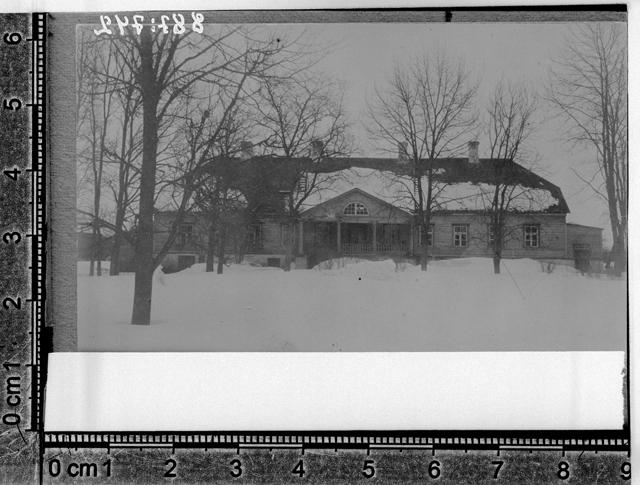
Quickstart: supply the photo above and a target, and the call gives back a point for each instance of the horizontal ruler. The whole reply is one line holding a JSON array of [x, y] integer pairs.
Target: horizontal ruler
[[443, 440]]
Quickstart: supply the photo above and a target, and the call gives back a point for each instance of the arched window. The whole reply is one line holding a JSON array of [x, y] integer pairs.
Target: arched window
[[355, 209]]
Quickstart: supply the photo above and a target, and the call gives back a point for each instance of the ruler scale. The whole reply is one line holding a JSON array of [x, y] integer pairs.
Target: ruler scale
[[38, 174]]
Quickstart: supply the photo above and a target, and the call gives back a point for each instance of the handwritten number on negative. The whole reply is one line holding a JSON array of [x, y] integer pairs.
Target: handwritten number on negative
[[122, 23], [137, 23], [105, 21]]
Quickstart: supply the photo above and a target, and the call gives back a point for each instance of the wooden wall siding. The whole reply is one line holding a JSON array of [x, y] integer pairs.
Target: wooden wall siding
[[552, 236], [556, 237], [585, 235], [378, 210]]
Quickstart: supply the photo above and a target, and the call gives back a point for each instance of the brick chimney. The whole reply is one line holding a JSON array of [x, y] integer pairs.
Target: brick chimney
[[246, 150], [403, 154], [473, 151], [317, 147]]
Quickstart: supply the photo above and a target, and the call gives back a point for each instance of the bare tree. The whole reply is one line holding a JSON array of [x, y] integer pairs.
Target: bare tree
[[589, 90], [113, 142], [217, 198], [124, 151], [426, 112], [509, 123], [166, 67], [303, 120], [94, 112]]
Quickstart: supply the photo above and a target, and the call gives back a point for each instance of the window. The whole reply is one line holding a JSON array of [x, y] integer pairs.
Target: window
[[429, 235], [285, 235], [531, 236], [355, 209], [460, 235], [254, 236], [185, 233]]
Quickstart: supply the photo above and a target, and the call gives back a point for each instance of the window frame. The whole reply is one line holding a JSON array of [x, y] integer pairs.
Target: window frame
[[185, 236], [454, 233], [357, 209], [526, 238], [285, 233], [255, 236]]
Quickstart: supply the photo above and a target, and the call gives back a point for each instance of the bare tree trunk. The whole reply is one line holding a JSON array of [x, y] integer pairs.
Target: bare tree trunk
[[497, 245], [424, 257], [497, 223], [290, 243], [211, 248], [496, 264], [114, 268], [619, 255], [141, 314], [426, 213], [222, 239]]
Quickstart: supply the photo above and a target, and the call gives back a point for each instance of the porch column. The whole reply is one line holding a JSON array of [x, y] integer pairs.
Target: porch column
[[339, 236], [300, 238], [375, 236]]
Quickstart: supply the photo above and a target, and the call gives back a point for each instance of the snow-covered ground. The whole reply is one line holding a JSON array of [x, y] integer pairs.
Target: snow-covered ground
[[350, 305]]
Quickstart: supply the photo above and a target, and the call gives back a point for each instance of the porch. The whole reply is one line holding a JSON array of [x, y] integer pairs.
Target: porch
[[355, 238]]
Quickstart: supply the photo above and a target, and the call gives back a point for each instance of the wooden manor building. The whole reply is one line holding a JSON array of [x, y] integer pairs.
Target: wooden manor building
[[364, 207]]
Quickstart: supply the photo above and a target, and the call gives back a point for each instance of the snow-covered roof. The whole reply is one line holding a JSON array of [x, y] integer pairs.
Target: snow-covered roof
[[397, 190], [460, 184]]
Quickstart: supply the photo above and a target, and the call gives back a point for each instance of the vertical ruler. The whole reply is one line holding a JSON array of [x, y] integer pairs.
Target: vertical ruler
[[40, 337], [24, 340]]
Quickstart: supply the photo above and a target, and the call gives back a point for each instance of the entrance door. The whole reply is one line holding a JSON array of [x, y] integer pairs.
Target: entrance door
[[357, 233]]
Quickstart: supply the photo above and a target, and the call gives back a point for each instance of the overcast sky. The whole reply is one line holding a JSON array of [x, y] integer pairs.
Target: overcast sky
[[363, 56]]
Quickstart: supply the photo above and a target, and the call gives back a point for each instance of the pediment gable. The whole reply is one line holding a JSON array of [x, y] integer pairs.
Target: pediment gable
[[374, 208]]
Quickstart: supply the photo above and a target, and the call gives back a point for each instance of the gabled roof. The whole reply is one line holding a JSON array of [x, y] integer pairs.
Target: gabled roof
[[349, 193]]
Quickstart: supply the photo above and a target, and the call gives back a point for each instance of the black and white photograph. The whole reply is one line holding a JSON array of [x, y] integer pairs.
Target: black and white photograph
[[343, 244], [351, 186]]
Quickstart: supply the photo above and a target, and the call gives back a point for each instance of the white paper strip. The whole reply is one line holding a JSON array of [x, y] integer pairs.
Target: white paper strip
[[334, 391]]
